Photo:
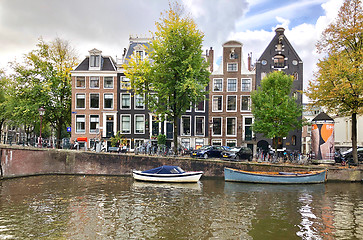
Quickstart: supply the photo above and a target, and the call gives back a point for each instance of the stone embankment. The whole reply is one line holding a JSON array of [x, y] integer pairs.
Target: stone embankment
[[21, 161]]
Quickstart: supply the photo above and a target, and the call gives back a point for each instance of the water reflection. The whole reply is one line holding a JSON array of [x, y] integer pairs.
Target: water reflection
[[77, 207]]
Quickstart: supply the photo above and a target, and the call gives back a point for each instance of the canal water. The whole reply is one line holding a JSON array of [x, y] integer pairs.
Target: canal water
[[95, 207]]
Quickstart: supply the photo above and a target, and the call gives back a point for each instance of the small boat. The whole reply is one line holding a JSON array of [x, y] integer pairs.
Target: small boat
[[236, 175], [167, 174]]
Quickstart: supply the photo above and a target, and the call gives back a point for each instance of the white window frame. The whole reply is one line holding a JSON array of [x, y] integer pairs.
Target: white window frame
[[98, 62], [228, 64], [181, 125], [235, 110], [90, 86], [143, 129], [85, 82], [113, 99], [228, 79], [121, 99], [244, 125], [214, 80], [79, 94], [124, 84], [121, 125], [143, 100], [235, 127], [112, 85], [76, 129], [217, 135], [213, 103], [231, 141], [249, 103], [90, 100], [196, 107], [217, 141], [203, 126], [250, 85], [97, 128]]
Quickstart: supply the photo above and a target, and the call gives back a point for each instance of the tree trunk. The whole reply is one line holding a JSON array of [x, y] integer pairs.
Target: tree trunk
[[354, 138], [175, 135]]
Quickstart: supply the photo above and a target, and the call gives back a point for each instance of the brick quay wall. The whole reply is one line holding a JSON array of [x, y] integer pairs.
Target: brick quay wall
[[22, 161]]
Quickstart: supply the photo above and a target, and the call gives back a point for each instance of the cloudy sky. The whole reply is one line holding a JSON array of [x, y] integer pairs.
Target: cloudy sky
[[107, 25]]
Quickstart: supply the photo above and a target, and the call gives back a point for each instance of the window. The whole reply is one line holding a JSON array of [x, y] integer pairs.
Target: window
[[279, 61], [217, 126], [296, 76], [139, 101], [185, 142], [95, 61], [94, 122], [246, 85], [200, 107], [231, 85], [263, 75], [217, 104], [125, 101], [108, 100], [169, 130], [232, 67], [231, 143], [155, 126], [80, 82], [125, 123], [140, 54], [108, 82], [245, 103], [217, 142], [248, 128], [233, 55], [199, 126], [232, 103], [217, 85], [124, 82], [139, 124], [80, 124], [185, 125], [80, 100], [231, 126], [94, 82], [199, 142], [94, 100], [293, 140]]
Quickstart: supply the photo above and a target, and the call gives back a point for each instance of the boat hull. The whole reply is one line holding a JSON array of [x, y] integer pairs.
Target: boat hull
[[235, 175], [187, 177]]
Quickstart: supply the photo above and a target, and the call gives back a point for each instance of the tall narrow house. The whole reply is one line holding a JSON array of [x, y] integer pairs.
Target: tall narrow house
[[230, 116], [281, 56], [94, 98]]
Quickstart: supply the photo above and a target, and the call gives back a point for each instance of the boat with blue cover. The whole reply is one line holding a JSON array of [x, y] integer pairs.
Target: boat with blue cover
[[236, 175], [167, 174]]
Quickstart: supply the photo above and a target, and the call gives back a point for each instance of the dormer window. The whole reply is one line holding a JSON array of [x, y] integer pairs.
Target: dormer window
[[95, 59]]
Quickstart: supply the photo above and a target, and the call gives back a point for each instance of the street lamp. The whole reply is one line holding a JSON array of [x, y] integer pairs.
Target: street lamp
[[41, 111]]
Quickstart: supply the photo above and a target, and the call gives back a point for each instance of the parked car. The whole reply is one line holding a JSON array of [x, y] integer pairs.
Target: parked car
[[244, 153], [347, 156], [230, 153], [208, 152]]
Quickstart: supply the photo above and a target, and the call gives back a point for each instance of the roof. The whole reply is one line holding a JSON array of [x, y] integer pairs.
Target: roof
[[322, 116], [107, 64]]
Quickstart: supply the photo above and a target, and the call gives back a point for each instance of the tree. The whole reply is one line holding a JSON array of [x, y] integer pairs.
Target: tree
[[338, 83], [174, 71], [44, 80], [275, 112]]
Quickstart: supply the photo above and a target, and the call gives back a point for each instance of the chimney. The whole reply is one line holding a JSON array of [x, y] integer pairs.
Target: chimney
[[249, 61], [211, 59]]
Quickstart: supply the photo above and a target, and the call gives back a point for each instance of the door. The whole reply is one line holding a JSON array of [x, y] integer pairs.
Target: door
[[109, 126]]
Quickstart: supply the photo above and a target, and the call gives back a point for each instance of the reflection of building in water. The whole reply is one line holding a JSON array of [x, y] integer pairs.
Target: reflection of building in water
[[308, 218]]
